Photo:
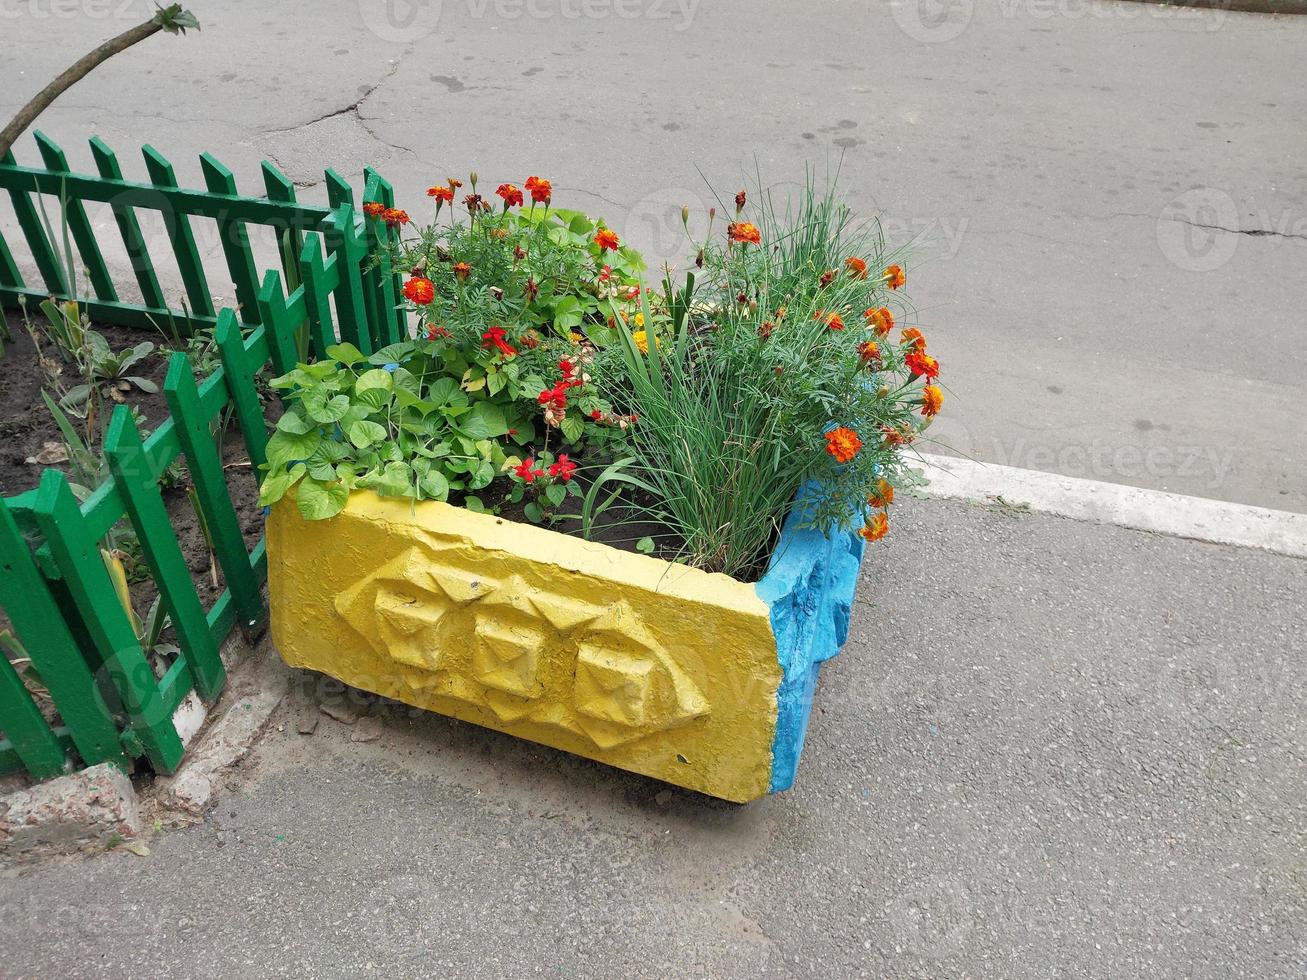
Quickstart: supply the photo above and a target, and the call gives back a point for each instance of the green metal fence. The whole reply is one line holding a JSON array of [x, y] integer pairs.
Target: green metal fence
[[54, 584]]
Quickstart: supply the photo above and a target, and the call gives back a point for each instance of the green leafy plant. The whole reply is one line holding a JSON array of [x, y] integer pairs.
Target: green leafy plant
[[108, 373]]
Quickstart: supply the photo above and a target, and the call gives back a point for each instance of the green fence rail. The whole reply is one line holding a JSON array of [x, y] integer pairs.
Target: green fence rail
[[55, 585]]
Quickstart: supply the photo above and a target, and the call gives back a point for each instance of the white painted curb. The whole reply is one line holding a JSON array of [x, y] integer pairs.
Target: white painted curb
[[1217, 521]]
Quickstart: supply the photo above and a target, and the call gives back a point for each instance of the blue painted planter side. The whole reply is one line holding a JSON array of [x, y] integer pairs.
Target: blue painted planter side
[[809, 586]]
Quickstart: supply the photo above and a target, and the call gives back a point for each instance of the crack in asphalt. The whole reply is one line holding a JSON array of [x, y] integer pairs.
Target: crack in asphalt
[[1253, 232]]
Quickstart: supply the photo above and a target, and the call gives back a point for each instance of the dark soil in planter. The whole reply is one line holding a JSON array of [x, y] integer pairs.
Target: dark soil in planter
[[28, 432]]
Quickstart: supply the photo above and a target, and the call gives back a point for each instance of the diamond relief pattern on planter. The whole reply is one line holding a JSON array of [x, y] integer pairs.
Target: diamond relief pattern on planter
[[535, 656]]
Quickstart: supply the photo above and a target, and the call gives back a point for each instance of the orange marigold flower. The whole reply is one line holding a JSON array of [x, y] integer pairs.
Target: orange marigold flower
[[510, 194], [743, 231], [915, 338], [842, 443], [883, 495], [420, 290], [607, 239], [875, 528], [879, 319], [894, 276], [830, 318], [869, 353], [898, 437], [739, 201], [394, 217], [827, 278], [374, 209], [922, 365], [541, 190], [932, 400], [857, 268], [462, 270], [441, 193]]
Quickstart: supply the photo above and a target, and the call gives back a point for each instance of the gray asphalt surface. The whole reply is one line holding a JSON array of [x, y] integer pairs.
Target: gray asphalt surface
[[1107, 198], [1049, 749]]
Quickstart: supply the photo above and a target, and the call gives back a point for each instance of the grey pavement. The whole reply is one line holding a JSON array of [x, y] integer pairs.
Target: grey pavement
[[1108, 197], [1049, 749]]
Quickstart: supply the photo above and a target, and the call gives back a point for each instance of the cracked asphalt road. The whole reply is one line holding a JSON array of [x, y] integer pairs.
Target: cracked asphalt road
[[1049, 749], [1064, 167]]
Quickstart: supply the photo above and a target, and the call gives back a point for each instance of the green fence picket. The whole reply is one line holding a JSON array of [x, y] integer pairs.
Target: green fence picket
[[210, 481], [44, 633], [9, 274], [78, 223], [47, 261], [279, 326], [348, 249], [26, 727], [317, 295], [81, 566], [235, 240], [338, 190], [290, 240], [125, 455], [178, 224], [240, 385], [106, 161], [392, 287]]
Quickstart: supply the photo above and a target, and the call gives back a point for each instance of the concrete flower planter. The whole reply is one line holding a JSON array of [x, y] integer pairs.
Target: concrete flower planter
[[692, 678]]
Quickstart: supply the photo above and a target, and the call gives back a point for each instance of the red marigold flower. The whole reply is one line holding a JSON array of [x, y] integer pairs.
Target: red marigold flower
[[531, 289], [510, 194], [739, 201], [462, 270], [883, 495], [880, 320], [563, 468], [420, 290], [915, 338], [827, 278], [394, 217], [830, 318], [519, 253], [922, 365], [875, 528], [765, 329], [374, 209], [541, 190], [869, 353], [856, 266], [894, 276], [437, 333], [455, 183], [494, 337], [607, 239], [842, 443], [932, 400], [743, 232], [530, 340], [473, 202], [442, 194], [527, 470]]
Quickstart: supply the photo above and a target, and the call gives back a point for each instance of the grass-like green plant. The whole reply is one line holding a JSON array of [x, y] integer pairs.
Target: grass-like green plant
[[736, 401]]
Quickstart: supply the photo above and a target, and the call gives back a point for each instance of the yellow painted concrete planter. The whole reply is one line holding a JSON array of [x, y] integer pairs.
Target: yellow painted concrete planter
[[653, 667]]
